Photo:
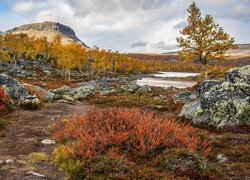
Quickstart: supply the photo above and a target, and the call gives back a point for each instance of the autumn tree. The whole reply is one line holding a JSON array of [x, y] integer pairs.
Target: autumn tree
[[71, 56], [203, 39]]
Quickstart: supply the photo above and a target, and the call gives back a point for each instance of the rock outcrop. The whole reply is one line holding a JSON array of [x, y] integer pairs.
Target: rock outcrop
[[222, 104]]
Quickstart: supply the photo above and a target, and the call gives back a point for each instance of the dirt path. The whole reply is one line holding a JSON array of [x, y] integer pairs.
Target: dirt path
[[20, 142]]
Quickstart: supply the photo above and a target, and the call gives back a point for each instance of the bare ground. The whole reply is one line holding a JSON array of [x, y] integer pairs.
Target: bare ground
[[21, 140]]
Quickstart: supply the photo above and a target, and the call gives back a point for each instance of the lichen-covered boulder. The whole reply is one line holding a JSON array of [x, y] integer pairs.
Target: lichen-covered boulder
[[129, 88], [61, 90], [12, 87], [239, 75], [226, 104], [83, 92]]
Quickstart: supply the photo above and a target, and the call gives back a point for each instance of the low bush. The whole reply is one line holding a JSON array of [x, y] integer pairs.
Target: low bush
[[124, 141], [4, 102]]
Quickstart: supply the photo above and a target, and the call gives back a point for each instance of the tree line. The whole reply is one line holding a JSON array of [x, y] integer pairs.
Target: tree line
[[69, 57]]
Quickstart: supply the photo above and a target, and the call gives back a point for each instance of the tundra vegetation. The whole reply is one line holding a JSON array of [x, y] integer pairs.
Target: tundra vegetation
[[132, 132]]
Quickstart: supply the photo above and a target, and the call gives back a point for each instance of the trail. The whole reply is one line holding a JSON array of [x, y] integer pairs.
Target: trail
[[23, 136]]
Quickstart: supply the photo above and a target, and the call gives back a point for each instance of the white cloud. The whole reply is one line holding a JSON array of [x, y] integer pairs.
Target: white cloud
[[117, 24], [23, 6]]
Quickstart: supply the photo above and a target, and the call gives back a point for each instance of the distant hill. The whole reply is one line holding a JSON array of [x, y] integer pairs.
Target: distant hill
[[242, 51], [49, 30]]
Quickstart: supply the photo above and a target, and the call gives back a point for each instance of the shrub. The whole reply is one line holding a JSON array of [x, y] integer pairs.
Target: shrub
[[4, 102], [133, 134]]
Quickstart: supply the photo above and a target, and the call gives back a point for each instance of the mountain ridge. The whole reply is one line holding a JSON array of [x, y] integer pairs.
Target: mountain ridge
[[48, 29]]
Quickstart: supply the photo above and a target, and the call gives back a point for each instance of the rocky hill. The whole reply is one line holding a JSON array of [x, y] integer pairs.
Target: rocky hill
[[49, 30]]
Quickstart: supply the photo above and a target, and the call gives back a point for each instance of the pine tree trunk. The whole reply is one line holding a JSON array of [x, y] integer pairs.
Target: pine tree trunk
[[205, 73]]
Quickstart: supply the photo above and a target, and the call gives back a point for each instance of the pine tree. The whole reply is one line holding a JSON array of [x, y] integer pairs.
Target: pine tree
[[203, 39]]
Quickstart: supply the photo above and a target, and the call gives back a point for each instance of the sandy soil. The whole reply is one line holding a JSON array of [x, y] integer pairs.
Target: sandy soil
[[23, 136]]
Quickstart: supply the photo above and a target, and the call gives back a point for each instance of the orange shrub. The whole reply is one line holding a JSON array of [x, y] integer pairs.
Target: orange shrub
[[131, 130], [4, 101]]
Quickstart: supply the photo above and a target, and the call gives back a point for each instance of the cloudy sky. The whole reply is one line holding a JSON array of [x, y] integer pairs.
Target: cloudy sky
[[127, 25]]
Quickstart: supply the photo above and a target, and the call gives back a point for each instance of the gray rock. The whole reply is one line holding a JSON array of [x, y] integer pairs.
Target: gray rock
[[129, 88], [238, 75], [12, 87], [61, 90], [68, 98], [205, 86], [48, 142], [221, 158], [144, 89], [191, 110], [221, 105], [184, 97], [83, 92]]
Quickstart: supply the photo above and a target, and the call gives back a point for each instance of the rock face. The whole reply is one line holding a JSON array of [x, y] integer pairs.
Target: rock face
[[222, 104], [12, 87], [49, 30]]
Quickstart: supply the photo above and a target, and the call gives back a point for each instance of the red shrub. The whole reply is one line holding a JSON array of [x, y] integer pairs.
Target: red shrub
[[130, 130], [4, 101]]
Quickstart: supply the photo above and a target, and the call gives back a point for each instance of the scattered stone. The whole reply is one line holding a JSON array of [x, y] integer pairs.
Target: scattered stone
[[62, 90], [68, 98], [35, 174], [48, 141], [1, 161], [9, 161], [221, 158]]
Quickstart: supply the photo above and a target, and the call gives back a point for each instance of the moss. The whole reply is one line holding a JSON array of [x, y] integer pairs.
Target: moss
[[39, 156], [3, 123]]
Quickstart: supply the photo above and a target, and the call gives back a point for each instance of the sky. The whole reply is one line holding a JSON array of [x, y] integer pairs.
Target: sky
[[127, 25]]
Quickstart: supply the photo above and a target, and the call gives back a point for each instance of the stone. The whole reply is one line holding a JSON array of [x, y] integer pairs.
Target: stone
[[238, 75], [190, 110], [83, 92], [144, 89], [61, 90], [35, 174], [221, 158], [48, 141], [12, 87], [9, 161], [184, 97], [68, 98], [129, 88]]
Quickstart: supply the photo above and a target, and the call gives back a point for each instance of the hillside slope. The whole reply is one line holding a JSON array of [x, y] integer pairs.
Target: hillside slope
[[49, 30]]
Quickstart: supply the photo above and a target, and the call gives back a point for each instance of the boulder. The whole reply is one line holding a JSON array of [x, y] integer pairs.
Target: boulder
[[12, 87], [83, 92], [220, 105], [184, 97], [144, 89], [238, 75], [61, 90], [30, 102], [129, 88]]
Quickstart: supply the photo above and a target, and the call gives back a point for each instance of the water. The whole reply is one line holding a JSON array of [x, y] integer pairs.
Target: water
[[175, 74], [158, 80]]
